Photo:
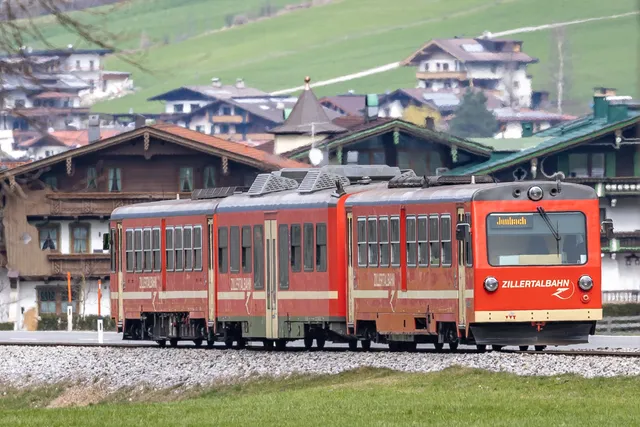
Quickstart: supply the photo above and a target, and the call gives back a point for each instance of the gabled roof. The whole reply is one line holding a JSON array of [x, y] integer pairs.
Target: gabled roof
[[68, 138], [565, 136], [474, 50], [307, 116], [414, 94], [178, 135], [211, 92], [508, 114], [351, 104], [380, 126]]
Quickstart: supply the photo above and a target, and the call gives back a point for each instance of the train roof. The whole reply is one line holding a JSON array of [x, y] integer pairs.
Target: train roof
[[166, 208], [502, 191]]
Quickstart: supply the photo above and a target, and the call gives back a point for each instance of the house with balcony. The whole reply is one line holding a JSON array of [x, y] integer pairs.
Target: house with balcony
[[496, 66], [601, 150], [56, 210]]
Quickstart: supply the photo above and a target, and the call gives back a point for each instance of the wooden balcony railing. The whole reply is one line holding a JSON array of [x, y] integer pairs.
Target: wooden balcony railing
[[623, 241], [87, 265], [430, 75], [227, 119]]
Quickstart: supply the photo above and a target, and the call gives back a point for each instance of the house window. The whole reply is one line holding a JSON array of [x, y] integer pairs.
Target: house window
[[223, 249], [200, 128], [445, 238], [92, 85], [80, 235], [19, 103], [115, 180], [308, 247], [170, 257], [412, 245], [209, 177], [49, 237], [226, 111], [137, 248], [434, 240], [283, 256], [129, 250], [47, 301], [321, 247], [178, 108], [105, 86], [92, 178], [197, 248], [372, 237], [246, 249], [258, 258], [91, 65], [155, 245], [187, 238], [52, 182], [78, 64], [395, 241], [362, 242], [423, 242], [224, 129], [55, 300], [186, 179], [194, 107], [146, 249], [296, 248], [516, 84], [234, 248], [384, 241], [445, 66], [177, 243]]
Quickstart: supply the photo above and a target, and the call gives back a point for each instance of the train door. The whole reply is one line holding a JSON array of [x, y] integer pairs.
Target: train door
[[350, 275], [120, 279], [211, 284], [461, 275], [271, 266]]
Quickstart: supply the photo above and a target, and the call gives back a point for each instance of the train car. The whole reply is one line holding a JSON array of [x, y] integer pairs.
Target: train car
[[437, 260]]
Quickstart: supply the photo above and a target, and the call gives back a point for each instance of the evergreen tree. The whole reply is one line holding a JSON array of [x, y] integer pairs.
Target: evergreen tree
[[472, 119]]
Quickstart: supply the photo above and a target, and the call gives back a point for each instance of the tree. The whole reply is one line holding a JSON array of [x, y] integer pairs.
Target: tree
[[472, 118]]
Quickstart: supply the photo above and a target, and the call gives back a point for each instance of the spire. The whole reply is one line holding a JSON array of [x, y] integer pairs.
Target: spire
[[306, 83]]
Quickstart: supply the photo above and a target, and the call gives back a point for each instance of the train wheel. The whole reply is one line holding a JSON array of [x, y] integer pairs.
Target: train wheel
[[242, 343], [394, 345], [540, 347], [162, 343], [173, 342], [481, 348], [281, 345], [210, 343], [366, 345], [228, 343], [524, 347], [453, 346], [320, 341], [198, 342], [308, 342], [496, 347], [439, 346], [353, 345]]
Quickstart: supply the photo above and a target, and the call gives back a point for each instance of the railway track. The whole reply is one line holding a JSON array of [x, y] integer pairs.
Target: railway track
[[260, 348]]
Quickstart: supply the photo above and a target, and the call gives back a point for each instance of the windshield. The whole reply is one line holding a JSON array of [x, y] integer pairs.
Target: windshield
[[540, 238]]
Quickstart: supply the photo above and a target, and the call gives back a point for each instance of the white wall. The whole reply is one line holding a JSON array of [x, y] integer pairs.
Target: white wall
[[186, 105], [11, 97], [46, 151], [439, 58], [203, 121], [624, 215], [85, 62], [392, 109]]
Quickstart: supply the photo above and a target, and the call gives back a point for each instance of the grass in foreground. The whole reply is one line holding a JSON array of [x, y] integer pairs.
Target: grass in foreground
[[364, 397]]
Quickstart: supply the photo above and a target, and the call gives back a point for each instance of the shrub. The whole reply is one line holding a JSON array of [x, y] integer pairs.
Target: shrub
[[53, 322], [619, 310], [6, 326]]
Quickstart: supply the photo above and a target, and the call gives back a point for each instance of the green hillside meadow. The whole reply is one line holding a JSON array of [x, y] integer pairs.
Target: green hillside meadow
[[347, 36]]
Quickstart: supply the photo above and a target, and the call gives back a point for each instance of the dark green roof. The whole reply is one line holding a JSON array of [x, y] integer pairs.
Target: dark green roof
[[559, 138], [509, 144]]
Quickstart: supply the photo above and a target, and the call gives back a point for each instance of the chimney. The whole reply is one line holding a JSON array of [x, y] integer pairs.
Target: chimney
[[600, 104], [94, 128], [140, 121], [618, 108], [527, 129], [240, 83], [371, 106], [215, 82]]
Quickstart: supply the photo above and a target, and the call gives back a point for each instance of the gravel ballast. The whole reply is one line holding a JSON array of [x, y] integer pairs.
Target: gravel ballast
[[129, 367]]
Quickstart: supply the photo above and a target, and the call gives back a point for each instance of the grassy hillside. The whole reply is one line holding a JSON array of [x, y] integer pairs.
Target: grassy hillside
[[348, 36]]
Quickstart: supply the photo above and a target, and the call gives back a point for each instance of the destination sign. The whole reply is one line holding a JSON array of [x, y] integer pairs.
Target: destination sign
[[511, 221]]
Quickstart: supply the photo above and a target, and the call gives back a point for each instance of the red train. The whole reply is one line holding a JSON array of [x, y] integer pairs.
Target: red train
[[361, 254]]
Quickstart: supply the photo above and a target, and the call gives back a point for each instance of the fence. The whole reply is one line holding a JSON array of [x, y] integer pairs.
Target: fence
[[618, 324], [620, 297]]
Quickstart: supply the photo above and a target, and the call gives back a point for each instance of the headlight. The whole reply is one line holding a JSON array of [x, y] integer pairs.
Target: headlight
[[585, 283], [491, 284], [535, 193]]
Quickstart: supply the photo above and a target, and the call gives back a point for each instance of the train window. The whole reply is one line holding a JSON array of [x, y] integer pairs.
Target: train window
[[155, 245], [445, 238], [129, 249], [146, 249], [177, 236], [362, 242], [113, 249], [296, 248], [137, 246], [223, 249], [468, 248], [234, 249], [434, 240], [411, 241], [308, 247], [283, 256], [197, 248], [187, 238], [395, 241], [246, 249], [384, 241], [372, 237], [423, 242], [170, 256], [258, 257], [321, 247]]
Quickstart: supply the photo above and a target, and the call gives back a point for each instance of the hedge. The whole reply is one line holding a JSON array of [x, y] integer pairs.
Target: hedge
[[54, 322], [620, 310], [6, 326]]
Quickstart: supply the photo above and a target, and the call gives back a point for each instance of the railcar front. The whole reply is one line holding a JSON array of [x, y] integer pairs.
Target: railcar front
[[537, 267]]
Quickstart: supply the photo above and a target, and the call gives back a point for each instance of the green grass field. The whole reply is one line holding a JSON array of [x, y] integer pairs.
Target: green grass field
[[348, 36], [366, 397]]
